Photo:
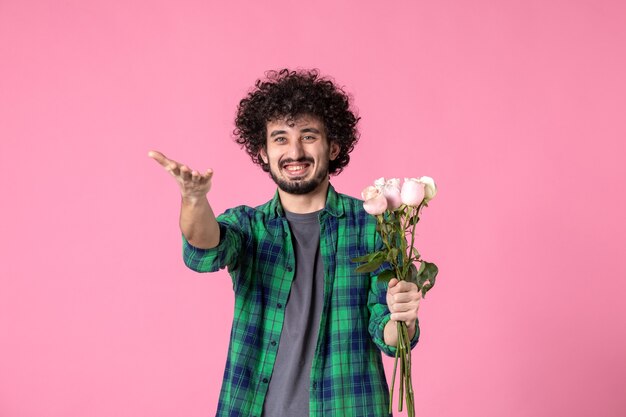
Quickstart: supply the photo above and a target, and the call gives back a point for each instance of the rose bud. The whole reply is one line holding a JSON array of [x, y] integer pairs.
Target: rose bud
[[430, 189], [412, 193]]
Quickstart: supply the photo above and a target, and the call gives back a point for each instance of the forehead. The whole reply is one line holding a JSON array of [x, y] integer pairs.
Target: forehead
[[295, 123]]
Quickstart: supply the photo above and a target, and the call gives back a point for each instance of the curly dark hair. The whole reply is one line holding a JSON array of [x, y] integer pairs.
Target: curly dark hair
[[290, 94]]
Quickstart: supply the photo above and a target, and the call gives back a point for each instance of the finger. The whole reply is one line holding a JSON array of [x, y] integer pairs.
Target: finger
[[204, 178], [159, 157], [406, 317], [404, 307], [170, 165], [403, 287], [405, 297], [392, 282], [173, 168], [406, 286], [185, 173]]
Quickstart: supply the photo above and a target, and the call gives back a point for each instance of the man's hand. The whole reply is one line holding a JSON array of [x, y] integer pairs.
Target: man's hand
[[403, 300], [197, 221], [193, 185]]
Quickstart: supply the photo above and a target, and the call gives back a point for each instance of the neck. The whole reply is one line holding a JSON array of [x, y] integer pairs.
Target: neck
[[305, 203]]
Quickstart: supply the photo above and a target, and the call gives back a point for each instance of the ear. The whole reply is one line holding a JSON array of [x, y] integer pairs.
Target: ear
[[334, 150], [263, 155]]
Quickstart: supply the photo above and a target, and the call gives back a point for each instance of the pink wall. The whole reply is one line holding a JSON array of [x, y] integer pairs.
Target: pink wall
[[515, 107]]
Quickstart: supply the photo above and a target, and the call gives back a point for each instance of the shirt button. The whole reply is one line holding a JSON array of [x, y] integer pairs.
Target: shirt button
[[289, 268], [273, 343], [265, 380], [314, 385], [279, 305]]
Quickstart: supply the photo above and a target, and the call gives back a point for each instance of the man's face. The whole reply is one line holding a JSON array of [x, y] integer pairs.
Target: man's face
[[298, 153]]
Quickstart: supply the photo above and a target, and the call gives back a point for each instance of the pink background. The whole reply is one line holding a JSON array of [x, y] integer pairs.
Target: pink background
[[516, 108]]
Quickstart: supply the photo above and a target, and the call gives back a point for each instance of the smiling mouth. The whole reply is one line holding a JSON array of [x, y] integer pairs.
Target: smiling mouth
[[296, 169]]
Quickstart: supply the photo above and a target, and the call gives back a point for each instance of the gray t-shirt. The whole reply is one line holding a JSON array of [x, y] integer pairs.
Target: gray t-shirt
[[288, 391]]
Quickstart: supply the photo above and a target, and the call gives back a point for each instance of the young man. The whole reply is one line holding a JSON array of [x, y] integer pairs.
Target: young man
[[307, 330]]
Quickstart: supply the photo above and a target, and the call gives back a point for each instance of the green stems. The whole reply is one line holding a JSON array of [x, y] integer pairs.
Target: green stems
[[403, 353], [394, 233]]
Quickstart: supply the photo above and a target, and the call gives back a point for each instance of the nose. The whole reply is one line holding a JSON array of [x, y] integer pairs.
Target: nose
[[296, 151]]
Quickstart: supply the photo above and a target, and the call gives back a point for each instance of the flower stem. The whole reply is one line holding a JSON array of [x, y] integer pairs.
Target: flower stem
[[402, 363], [410, 405], [393, 381], [394, 231]]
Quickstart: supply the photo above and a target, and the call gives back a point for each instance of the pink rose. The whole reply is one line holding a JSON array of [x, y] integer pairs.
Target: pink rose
[[375, 202], [430, 189], [391, 190], [412, 192], [370, 192]]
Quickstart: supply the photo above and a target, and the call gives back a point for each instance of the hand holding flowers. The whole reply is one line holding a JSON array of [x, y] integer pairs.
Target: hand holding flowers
[[403, 299]]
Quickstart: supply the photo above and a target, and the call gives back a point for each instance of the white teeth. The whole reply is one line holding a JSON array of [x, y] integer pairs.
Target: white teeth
[[295, 168]]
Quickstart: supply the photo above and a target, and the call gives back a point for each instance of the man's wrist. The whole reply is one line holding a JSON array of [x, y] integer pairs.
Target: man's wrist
[[192, 200]]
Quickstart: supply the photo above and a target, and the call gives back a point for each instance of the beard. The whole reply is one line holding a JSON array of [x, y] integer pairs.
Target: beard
[[296, 185]]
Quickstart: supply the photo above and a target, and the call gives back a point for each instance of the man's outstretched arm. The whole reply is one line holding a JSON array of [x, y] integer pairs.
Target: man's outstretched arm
[[197, 220]]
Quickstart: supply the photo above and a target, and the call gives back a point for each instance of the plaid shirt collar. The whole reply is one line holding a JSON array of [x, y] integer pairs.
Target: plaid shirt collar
[[333, 207]]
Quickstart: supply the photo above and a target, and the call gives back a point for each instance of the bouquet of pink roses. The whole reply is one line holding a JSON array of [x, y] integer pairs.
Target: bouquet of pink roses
[[397, 210]]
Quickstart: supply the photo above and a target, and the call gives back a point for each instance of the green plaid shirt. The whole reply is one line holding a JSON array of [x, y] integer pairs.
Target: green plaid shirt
[[347, 375]]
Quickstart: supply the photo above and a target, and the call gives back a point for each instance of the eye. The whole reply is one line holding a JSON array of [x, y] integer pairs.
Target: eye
[[280, 139], [309, 138]]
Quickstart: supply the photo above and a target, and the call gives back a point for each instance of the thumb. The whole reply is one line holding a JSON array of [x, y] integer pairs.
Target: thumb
[[160, 158]]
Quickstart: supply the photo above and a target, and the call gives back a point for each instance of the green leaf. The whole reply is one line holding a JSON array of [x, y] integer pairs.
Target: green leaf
[[430, 272], [371, 266], [412, 275], [392, 256], [360, 259], [382, 255], [369, 257], [386, 275], [429, 275], [422, 268]]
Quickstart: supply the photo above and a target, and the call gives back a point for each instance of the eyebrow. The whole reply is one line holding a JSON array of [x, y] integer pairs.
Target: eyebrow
[[305, 130]]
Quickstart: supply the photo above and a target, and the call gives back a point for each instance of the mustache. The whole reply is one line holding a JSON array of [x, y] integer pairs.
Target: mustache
[[296, 161]]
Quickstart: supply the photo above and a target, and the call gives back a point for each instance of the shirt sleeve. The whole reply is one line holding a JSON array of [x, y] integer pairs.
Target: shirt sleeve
[[227, 253]]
